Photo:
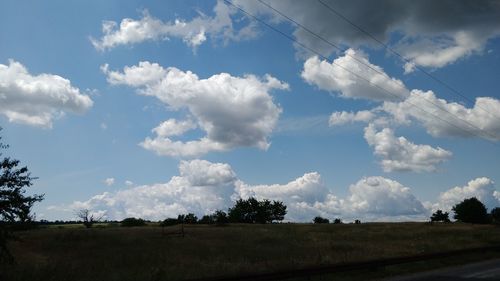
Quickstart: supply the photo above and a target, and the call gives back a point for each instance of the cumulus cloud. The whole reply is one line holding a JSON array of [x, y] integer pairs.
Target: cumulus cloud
[[343, 117], [379, 196], [482, 188], [203, 187], [428, 33], [368, 81], [401, 155], [109, 181], [193, 33], [37, 99], [443, 118], [232, 111]]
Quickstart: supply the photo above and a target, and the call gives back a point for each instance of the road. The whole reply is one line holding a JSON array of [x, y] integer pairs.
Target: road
[[480, 271]]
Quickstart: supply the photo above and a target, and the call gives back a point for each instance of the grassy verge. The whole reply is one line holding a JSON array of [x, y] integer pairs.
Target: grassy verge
[[149, 253]]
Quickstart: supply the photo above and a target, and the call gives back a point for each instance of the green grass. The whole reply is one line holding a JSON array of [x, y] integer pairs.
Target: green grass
[[147, 253]]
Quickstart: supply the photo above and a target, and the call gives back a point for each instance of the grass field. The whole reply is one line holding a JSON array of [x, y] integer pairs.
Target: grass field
[[150, 253]]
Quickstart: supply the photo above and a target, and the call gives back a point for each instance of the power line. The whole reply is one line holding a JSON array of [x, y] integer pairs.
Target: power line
[[363, 63], [387, 47], [361, 77]]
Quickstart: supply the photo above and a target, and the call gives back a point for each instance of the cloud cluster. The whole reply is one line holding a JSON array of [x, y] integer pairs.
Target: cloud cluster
[[353, 76], [482, 188], [399, 154], [429, 33], [193, 33], [439, 117], [109, 181], [37, 99], [203, 187], [232, 111]]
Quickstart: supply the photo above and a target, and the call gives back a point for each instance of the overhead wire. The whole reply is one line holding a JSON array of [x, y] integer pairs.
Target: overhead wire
[[357, 75], [387, 47]]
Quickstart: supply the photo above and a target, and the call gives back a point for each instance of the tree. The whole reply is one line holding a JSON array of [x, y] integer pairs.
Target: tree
[[252, 210], [337, 221], [87, 217], [319, 219], [470, 210], [220, 217], [495, 215], [440, 216], [15, 205], [129, 222], [189, 218]]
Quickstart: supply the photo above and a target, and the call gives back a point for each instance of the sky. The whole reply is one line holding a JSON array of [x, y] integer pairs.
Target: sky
[[379, 111]]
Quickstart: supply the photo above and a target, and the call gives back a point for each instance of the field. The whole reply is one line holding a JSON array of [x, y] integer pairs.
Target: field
[[152, 253]]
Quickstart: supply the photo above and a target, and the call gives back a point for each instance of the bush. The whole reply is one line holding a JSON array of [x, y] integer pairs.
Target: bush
[[319, 219], [470, 210], [129, 222], [440, 216], [357, 222]]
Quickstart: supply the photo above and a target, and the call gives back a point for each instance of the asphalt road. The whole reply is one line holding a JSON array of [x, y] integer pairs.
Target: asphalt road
[[480, 271]]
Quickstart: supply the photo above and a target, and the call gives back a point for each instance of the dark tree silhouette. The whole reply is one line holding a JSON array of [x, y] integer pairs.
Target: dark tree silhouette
[[87, 217], [220, 217], [15, 206], [440, 216], [337, 221], [495, 215], [470, 210], [129, 222], [252, 210], [319, 219], [188, 219]]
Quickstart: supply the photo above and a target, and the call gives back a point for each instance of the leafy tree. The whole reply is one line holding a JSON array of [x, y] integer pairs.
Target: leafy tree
[[207, 219], [169, 222], [319, 219], [440, 216], [15, 205], [470, 210], [189, 218], [87, 217], [337, 221], [129, 222], [220, 217], [252, 210], [357, 222], [495, 215]]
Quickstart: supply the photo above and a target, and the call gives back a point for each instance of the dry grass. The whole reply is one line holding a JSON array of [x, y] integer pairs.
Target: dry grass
[[145, 253]]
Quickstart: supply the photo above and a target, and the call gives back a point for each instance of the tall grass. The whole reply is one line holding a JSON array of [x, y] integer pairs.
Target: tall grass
[[150, 253]]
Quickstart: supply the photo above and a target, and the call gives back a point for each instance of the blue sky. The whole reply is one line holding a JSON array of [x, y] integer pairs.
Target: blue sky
[[240, 110]]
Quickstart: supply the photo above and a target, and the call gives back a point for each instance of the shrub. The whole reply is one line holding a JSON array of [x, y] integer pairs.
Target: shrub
[[129, 222], [357, 222], [319, 219], [470, 210]]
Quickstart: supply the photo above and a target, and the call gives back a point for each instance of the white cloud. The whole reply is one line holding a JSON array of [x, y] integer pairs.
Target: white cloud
[[482, 188], [442, 118], [109, 181], [37, 99], [399, 154], [379, 196], [193, 33], [203, 187], [232, 111], [343, 117], [338, 76], [129, 183]]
